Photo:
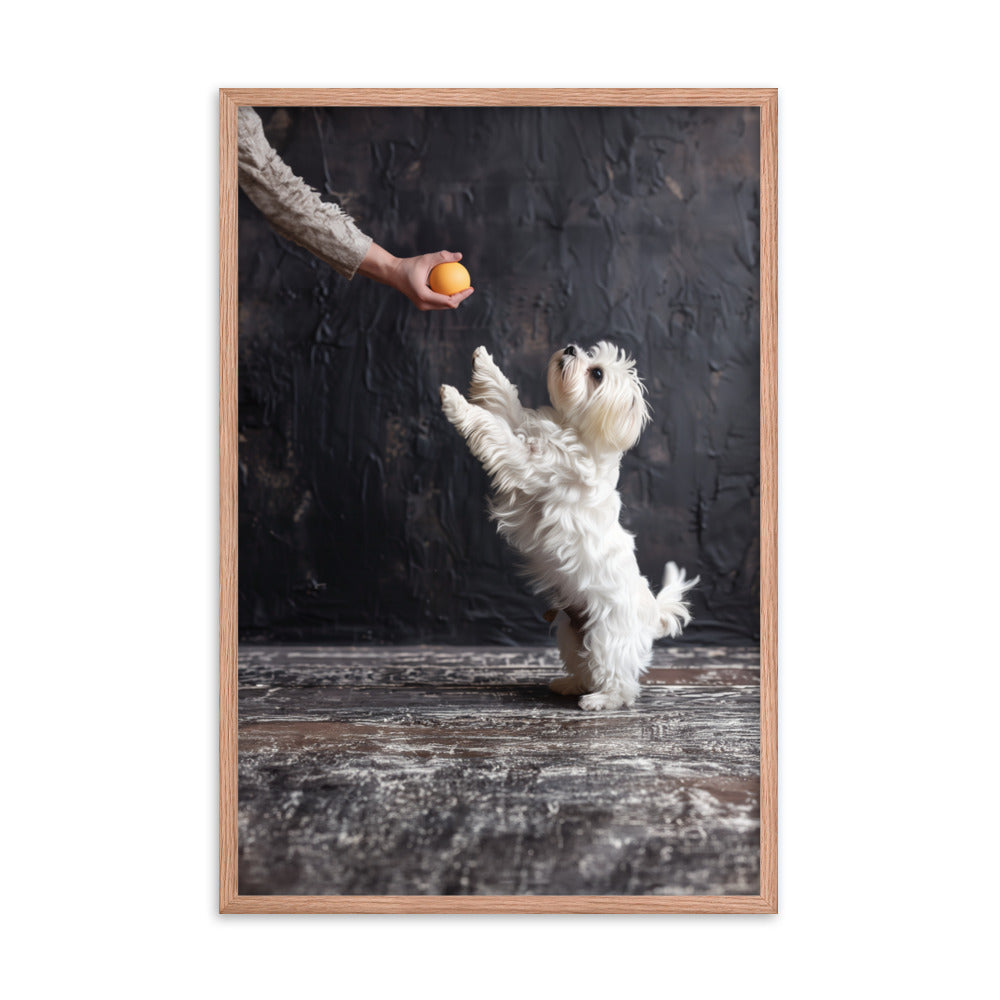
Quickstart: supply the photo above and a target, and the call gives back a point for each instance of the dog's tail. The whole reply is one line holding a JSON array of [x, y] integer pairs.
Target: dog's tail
[[673, 610]]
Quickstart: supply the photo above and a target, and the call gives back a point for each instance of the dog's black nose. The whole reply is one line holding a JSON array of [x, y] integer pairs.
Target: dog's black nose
[[571, 350]]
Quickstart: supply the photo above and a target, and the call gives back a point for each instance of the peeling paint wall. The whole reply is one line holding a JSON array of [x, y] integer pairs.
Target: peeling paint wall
[[362, 513]]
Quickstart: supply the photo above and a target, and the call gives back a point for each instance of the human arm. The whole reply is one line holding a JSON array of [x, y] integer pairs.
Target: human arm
[[408, 275], [293, 208], [298, 213]]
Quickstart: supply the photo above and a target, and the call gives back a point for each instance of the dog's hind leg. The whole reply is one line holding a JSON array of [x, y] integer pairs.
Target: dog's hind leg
[[614, 660], [570, 643]]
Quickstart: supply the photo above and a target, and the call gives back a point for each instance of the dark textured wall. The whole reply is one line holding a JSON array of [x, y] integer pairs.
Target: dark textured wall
[[362, 514]]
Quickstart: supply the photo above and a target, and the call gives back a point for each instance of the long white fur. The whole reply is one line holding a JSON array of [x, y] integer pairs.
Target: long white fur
[[554, 473]]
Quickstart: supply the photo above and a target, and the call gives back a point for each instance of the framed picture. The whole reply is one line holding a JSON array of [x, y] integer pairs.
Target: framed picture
[[389, 739]]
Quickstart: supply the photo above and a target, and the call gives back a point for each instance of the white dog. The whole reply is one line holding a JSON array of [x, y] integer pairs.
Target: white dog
[[554, 473]]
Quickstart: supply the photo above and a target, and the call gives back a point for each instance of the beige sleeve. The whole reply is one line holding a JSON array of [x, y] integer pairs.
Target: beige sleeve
[[293, 208]]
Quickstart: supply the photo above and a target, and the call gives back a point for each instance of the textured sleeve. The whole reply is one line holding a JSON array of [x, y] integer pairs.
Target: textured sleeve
[[293, 208]]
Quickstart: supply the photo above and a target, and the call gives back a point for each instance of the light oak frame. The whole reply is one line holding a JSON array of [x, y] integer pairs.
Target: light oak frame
[[230, 901]]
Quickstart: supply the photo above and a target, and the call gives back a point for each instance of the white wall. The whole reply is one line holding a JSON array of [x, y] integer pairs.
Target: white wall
[[888, 418]]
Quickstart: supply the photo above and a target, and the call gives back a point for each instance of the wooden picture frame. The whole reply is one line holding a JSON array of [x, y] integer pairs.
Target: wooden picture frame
[[230, 899]]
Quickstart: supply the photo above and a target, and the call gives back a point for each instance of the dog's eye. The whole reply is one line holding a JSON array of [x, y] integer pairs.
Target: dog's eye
[[597, 374]]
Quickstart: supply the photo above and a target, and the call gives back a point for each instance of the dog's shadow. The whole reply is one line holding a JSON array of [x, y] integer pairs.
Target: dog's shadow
[[531, 694], [467, 694]]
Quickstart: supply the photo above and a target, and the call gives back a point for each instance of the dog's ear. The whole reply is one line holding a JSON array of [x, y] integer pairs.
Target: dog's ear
[[620, 415], [634, 415]]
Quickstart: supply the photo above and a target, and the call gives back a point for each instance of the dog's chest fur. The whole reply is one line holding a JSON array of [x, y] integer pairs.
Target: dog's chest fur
[[566, 523]]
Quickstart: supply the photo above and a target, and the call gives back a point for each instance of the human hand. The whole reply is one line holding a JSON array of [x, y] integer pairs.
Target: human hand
[[409, 276]]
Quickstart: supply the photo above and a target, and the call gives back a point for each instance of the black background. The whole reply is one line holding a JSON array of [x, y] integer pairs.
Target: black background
[[361, 512]]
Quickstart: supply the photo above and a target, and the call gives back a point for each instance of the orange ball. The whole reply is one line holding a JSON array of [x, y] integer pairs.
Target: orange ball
[[449, 278]]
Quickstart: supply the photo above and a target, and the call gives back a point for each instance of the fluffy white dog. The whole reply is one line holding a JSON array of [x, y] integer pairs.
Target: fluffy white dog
[[554, 473]]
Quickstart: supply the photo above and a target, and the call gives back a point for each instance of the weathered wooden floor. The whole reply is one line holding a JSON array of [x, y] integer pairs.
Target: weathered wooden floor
[[418, 770]]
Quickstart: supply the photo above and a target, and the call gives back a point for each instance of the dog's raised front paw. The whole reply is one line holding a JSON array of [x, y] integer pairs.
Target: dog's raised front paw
[[452, 402], [484, 369]]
